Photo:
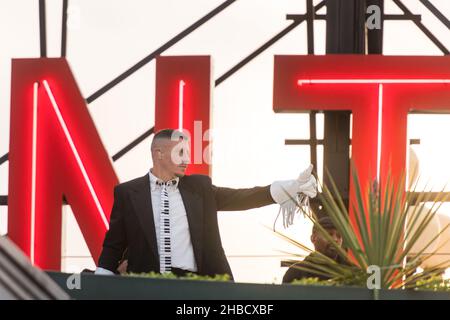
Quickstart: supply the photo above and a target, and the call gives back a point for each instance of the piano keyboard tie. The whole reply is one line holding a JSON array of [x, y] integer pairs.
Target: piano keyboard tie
[[165, 256]]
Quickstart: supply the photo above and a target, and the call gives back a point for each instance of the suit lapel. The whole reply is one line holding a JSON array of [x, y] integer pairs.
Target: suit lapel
[[141, 199], [194, 211]]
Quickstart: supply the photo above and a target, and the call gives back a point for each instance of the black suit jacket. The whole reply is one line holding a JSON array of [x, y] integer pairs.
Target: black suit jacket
[[132, 225]]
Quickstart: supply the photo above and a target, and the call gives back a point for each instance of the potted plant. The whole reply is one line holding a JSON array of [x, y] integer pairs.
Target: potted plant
[[381, 236]]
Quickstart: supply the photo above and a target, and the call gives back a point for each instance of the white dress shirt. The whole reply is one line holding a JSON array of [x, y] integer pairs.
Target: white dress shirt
[[180, 239], [181, 245]]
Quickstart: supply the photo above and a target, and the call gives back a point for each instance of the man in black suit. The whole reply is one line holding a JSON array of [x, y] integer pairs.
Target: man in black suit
[[167, 221]]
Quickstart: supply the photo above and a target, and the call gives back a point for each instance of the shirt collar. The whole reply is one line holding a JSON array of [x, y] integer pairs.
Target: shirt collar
[[155, 182]]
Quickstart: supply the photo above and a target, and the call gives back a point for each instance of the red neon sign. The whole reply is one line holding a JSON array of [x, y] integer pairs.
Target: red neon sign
[[183, 100], [55, 150], [181, 85], [379, 90]]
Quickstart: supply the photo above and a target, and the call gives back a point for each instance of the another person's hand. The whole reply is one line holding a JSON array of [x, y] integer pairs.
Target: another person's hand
[[122, 269]]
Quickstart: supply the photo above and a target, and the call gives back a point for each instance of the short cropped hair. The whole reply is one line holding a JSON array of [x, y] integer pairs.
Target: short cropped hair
[[168, 134], [326, 223]]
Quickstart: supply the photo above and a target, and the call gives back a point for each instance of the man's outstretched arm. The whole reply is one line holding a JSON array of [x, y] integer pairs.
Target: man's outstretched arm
[[281, 192], [228, 199]]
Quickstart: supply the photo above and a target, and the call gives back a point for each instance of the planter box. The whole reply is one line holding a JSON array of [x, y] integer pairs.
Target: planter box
[[116, 287]]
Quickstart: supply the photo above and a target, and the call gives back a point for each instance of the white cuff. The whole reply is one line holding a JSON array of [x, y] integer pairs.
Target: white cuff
[[103, 272]]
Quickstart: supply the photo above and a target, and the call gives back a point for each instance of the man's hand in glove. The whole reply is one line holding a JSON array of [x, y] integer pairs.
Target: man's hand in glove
[[290, 194], [284, 191]]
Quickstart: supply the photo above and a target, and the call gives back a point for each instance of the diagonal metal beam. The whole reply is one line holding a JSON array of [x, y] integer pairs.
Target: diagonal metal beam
[[133, 69], [158, 51], [266, 45], [4, 158], [435, 11], [297, 20], [133, 144], [422, 27], [257, 52], [226, 75], [119, 154]]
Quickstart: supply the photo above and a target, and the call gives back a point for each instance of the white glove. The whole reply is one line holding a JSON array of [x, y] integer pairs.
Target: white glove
[[286, 190], [290, 194]]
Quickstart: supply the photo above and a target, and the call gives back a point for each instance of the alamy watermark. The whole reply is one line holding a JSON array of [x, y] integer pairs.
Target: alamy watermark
[[196, 147], [374, 19], [374, 280], [73, 282]]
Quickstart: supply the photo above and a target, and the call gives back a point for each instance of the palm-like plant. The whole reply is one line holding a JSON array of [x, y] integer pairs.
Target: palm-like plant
[[381, 234]]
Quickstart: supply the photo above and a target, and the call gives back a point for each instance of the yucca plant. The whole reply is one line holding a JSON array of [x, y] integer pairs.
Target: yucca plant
[[381, 234]]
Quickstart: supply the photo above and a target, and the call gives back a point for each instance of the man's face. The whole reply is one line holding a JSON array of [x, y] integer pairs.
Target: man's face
[[325, 247], [174, 157]]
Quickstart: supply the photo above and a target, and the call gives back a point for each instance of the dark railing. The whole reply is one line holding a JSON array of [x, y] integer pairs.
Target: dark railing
[[117, 287]]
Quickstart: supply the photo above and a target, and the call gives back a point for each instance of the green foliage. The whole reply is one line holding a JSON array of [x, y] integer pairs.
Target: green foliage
[[435, 283], [354, 281], [314, 282], [379, 235], [188, 276]]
